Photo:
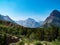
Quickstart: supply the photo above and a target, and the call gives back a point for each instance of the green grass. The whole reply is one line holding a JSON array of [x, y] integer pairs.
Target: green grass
[[56, 42]]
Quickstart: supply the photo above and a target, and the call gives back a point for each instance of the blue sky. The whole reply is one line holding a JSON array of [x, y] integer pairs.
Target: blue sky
[[23, 9]]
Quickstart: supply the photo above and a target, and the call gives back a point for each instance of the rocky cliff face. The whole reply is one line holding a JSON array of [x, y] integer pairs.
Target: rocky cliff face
[[53, 19]]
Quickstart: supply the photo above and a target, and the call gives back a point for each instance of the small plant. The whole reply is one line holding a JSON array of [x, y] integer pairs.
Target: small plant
[[38, 43], [21, 43]]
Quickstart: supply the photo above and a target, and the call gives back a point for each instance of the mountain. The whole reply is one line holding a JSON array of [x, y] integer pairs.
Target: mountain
[[53, 19], [6, 18], [41, 23], [31, 23]]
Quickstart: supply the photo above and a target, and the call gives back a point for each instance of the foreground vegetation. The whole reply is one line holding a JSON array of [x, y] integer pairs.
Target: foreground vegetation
[[33, 36]]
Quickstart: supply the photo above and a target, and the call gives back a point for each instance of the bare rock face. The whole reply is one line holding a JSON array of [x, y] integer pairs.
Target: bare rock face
[[53, 19]]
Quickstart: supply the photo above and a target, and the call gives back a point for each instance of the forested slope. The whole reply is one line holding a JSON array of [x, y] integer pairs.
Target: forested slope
[[8, 29]]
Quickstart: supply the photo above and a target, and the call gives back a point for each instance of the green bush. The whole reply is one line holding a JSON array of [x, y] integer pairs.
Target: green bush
[[21, 43], [38, 43]]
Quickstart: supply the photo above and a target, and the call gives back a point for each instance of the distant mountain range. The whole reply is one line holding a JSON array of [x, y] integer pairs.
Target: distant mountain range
[[53, 19], [30, 23]]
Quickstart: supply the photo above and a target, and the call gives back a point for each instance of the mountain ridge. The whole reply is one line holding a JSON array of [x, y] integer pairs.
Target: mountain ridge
[[29, 23], [53, 19], [7, 18]]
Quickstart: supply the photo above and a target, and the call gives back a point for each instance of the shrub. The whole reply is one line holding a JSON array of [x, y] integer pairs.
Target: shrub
[[21, 43], [38, 43]]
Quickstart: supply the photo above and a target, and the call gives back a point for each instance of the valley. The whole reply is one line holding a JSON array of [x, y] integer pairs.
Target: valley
[[12, 33]]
